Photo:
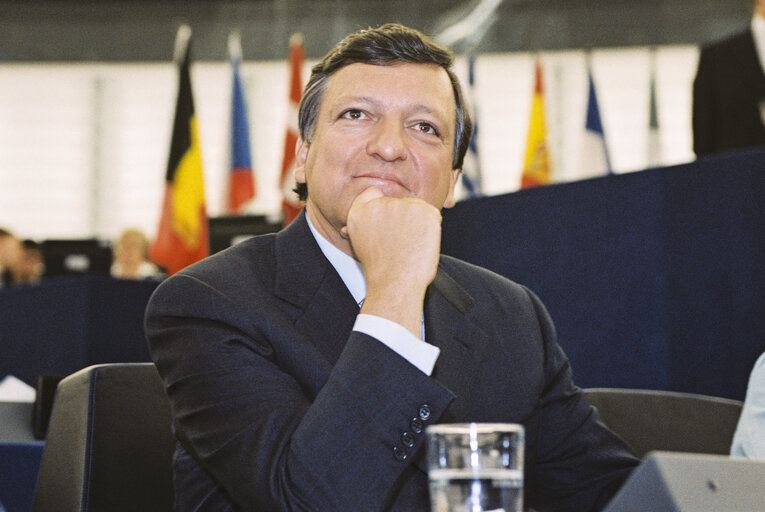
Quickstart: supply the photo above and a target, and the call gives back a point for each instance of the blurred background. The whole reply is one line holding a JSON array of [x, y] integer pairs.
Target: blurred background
[[88, 91]]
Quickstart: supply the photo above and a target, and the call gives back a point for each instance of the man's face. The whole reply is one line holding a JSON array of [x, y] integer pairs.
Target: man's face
[[130, 249], [30, 265], [391, 127], [10, 251], [759, 8]]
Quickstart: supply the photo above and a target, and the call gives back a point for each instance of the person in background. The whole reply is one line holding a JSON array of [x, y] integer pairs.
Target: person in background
[[303, 367], [130, 257], [10, 252], [729, 91], [30, 266], [749, 438]]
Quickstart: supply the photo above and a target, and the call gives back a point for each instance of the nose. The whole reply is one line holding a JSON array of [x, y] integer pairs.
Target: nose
[[388, 140]]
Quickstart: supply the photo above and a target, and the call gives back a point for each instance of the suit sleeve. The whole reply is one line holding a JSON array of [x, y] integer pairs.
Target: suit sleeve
[[263, 434], [580, 464], [703, 115]]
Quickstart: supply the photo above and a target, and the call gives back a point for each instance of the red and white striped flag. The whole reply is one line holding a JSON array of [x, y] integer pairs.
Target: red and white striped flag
[[291, 205]]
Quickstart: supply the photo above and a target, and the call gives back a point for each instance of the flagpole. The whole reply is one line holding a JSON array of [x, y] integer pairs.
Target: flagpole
[[235, 46], [181, 42]]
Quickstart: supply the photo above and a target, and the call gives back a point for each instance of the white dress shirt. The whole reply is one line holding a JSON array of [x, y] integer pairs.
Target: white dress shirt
[[749, 439], [758, 32], [395, 336]]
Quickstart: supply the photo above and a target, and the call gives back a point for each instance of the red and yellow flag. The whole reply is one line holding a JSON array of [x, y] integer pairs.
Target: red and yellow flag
[[536, 165], [291, 206], [182, 237]]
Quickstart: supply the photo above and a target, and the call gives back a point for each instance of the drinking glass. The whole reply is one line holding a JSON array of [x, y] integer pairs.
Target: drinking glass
[[475, 467]]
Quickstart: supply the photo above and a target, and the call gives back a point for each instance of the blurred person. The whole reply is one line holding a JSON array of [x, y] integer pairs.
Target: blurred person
[[130, 257], [10, 252], [30, 266], [729, 90], [303, 367], [749, 438]]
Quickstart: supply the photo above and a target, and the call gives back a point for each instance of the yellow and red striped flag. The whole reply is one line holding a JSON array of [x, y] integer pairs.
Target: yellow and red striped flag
[[536, 165], [182, 235], [291, 205]]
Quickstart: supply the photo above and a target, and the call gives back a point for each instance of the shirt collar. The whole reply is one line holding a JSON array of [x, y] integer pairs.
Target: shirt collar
[[758, 34], [758, 24], [350, 270]]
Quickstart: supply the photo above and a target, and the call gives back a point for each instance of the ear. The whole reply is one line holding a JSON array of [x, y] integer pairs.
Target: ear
[[301, 155], [450, 198]]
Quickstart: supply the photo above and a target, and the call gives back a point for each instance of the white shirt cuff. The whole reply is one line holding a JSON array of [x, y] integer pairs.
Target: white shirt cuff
[[397, 338]]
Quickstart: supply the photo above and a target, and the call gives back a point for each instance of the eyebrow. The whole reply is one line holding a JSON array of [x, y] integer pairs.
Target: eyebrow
[[418, 108]]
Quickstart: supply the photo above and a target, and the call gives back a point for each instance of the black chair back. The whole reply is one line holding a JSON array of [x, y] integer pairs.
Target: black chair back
[[651, 420], [110, 443]]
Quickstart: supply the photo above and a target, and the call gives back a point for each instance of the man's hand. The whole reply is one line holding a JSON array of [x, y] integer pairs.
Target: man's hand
[[398, 241]]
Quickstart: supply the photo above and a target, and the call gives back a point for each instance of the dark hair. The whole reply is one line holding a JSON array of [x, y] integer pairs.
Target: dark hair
[[386, 45], [30, 244]]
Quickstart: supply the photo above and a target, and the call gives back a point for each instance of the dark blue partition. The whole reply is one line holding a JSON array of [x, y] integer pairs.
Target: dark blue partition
[[655, 279], [65, 324], [19, 466]]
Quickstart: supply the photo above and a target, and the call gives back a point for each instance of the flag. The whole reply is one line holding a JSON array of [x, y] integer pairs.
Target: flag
[[291, 206], [241, 187], [594, 149], [182, 235], [536, 164], [654, 142], [471, 166]]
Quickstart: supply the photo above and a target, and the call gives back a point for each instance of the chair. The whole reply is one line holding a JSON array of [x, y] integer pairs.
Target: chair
[[668, 421], [110, 443]]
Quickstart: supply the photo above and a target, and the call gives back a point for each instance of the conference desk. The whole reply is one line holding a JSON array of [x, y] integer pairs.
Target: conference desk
[[654, 279], [64, 324]]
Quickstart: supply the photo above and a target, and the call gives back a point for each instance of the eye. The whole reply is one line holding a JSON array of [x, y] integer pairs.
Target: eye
[[427, 128], [352, 113]]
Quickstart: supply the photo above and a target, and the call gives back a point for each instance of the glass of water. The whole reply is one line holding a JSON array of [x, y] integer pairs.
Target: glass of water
[[475, 467]]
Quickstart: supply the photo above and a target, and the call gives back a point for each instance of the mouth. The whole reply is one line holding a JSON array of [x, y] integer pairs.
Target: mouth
[[383, 179]]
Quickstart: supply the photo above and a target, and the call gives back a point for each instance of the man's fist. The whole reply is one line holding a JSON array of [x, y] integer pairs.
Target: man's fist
[[398, 241]]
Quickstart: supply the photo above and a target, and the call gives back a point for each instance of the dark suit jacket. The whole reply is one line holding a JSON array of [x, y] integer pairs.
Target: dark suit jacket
[[285, 408], [727, 94]]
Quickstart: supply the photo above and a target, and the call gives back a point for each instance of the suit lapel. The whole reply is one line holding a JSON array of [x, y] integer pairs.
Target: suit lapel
[[749, 61], [447, 306], [448, 326], [304, 277]]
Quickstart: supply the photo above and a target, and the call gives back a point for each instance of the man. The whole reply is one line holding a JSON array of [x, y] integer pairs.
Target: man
[[30, 266], [287, 396], [729, 91]]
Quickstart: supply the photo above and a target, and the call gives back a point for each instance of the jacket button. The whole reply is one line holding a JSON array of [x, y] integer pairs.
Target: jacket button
[[416, 425], [407, 439], [424, 412], [399, 454]]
